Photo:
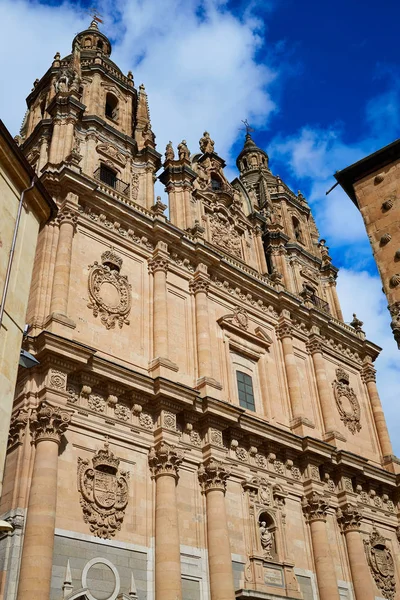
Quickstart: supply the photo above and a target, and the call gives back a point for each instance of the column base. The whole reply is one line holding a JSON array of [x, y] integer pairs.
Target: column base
[[302, 426], [335, 438], [162, 367]]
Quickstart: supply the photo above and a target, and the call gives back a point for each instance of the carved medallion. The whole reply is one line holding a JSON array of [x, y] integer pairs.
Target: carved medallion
[[381, 563], [346, 401], [109, 291], [104, 492]]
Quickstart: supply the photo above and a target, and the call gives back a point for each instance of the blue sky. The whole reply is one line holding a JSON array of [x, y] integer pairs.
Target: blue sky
[[319, 81]]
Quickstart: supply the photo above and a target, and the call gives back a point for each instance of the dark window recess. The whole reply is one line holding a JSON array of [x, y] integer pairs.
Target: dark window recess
[[245, 390], [111, 107], [216, 183], [109, 177]]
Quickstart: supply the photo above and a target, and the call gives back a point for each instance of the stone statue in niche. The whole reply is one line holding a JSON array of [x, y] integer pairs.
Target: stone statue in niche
[[267, 539]]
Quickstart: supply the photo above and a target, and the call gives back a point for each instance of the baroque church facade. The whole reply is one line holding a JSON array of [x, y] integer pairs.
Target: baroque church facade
[[202, 424]]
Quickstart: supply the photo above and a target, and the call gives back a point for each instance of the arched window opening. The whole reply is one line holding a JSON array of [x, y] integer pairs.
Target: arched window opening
[[108, 176], [88, 42], [100, 45], [111, 107], [297, 229], [245, 163], [216, 183], [266, 527]]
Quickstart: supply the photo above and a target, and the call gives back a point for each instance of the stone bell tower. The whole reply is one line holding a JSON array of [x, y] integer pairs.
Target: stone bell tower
[[201, 425]]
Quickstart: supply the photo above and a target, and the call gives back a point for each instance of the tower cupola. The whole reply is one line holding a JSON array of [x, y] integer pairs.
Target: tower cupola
[[92, 40], [251, 158]]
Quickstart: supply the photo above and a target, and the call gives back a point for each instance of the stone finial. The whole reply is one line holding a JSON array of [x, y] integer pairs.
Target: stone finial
[[49, 422], [213, 475], [356, 323], [165, 459]]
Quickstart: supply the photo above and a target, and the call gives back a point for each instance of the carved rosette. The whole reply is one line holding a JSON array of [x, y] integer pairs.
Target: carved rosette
[[48, 422], [165, 459], [213, 475], [109, 291], [381, 563], [315, 507], [346, 399], [349, 517], [103, 489]]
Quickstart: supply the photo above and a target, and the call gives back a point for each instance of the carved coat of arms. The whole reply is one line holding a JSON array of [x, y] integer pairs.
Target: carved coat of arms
[[109, 291], [381, 563], [104, 492], [346, 401], [224, 235]]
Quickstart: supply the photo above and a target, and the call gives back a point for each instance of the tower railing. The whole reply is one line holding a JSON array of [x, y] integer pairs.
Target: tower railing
[[111, 181]]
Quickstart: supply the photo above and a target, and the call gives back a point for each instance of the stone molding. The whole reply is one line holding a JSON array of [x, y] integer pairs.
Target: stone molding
[[49, 422], [315, 507], [165, 459], [213, 475]]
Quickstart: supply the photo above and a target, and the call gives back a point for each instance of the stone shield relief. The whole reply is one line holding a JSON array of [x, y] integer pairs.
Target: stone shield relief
[[346, 401], [103, 489], [109, 291], [381, 563]]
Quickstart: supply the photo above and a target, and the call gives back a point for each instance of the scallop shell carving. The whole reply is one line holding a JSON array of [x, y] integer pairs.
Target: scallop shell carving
[[395, 280], [387, 205], [385, 239]]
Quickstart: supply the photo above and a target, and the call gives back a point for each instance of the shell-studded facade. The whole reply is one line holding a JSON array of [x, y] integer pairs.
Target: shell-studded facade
[[202, 424]]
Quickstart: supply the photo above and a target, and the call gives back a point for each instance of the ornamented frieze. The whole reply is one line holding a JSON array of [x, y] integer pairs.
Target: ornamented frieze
[[103, 489]]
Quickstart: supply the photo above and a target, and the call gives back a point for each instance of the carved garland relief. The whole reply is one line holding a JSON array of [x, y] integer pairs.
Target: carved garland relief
[[346, 401], [381, 563], [104, 492], [109, 291]]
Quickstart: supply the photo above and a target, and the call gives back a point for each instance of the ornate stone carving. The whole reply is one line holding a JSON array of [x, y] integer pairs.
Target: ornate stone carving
[[241, 453], [314, 344], [346, 401], [213, 475], [349, 517], [216, 437], [296, 474], [146, 421], [278, 467], [57, 379], [103, 489], [315, 507], [183, 151], [240, 318], [224, 234], [169, 152], [164, 459], [49, 422], [260, 491], [109, 291], [206, 143], [111, 151], [200, 283], [381, 563], [267, 540], [260, 461], [18, 425], [122, 412], [97, 403], [158, 263], [169, 420], [73, 392], [195, 438]]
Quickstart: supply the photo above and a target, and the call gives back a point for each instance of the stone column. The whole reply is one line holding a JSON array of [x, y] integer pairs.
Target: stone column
[[149, 185], [55, 140], [335, 298], [315, 508], [213, 476], [48, 423], [369, 376], [324, 390], [164, 461], [285, 335], [349, 518], [62, 269], [199, 286], [260, 250], [158, 266]]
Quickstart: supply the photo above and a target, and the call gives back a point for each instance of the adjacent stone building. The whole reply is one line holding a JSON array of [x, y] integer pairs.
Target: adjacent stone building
[[373, 184], [17, 189], [202, 424]]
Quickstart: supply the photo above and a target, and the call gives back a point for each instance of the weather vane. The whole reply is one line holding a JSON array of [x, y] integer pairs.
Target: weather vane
[[94, 13], [246, 127]]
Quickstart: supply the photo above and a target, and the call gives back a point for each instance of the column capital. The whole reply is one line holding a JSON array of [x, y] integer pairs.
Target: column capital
[[66, 215], [165, 459], [284, 328], [199, 283], [349, 517], [213, 475], [315, 506], [49, 422], [158, 263], [368, 372], [314, 344]]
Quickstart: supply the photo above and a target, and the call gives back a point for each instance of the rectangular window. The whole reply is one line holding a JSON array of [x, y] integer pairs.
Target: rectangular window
[[108, 176], [245, 390]]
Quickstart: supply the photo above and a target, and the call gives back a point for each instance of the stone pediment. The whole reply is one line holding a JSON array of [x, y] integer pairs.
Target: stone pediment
[[238, 323]]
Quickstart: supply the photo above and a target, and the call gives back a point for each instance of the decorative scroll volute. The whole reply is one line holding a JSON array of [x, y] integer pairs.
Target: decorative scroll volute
[[103, 489], [165, 459], [380, 561], [49, 422], [213, 475]]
